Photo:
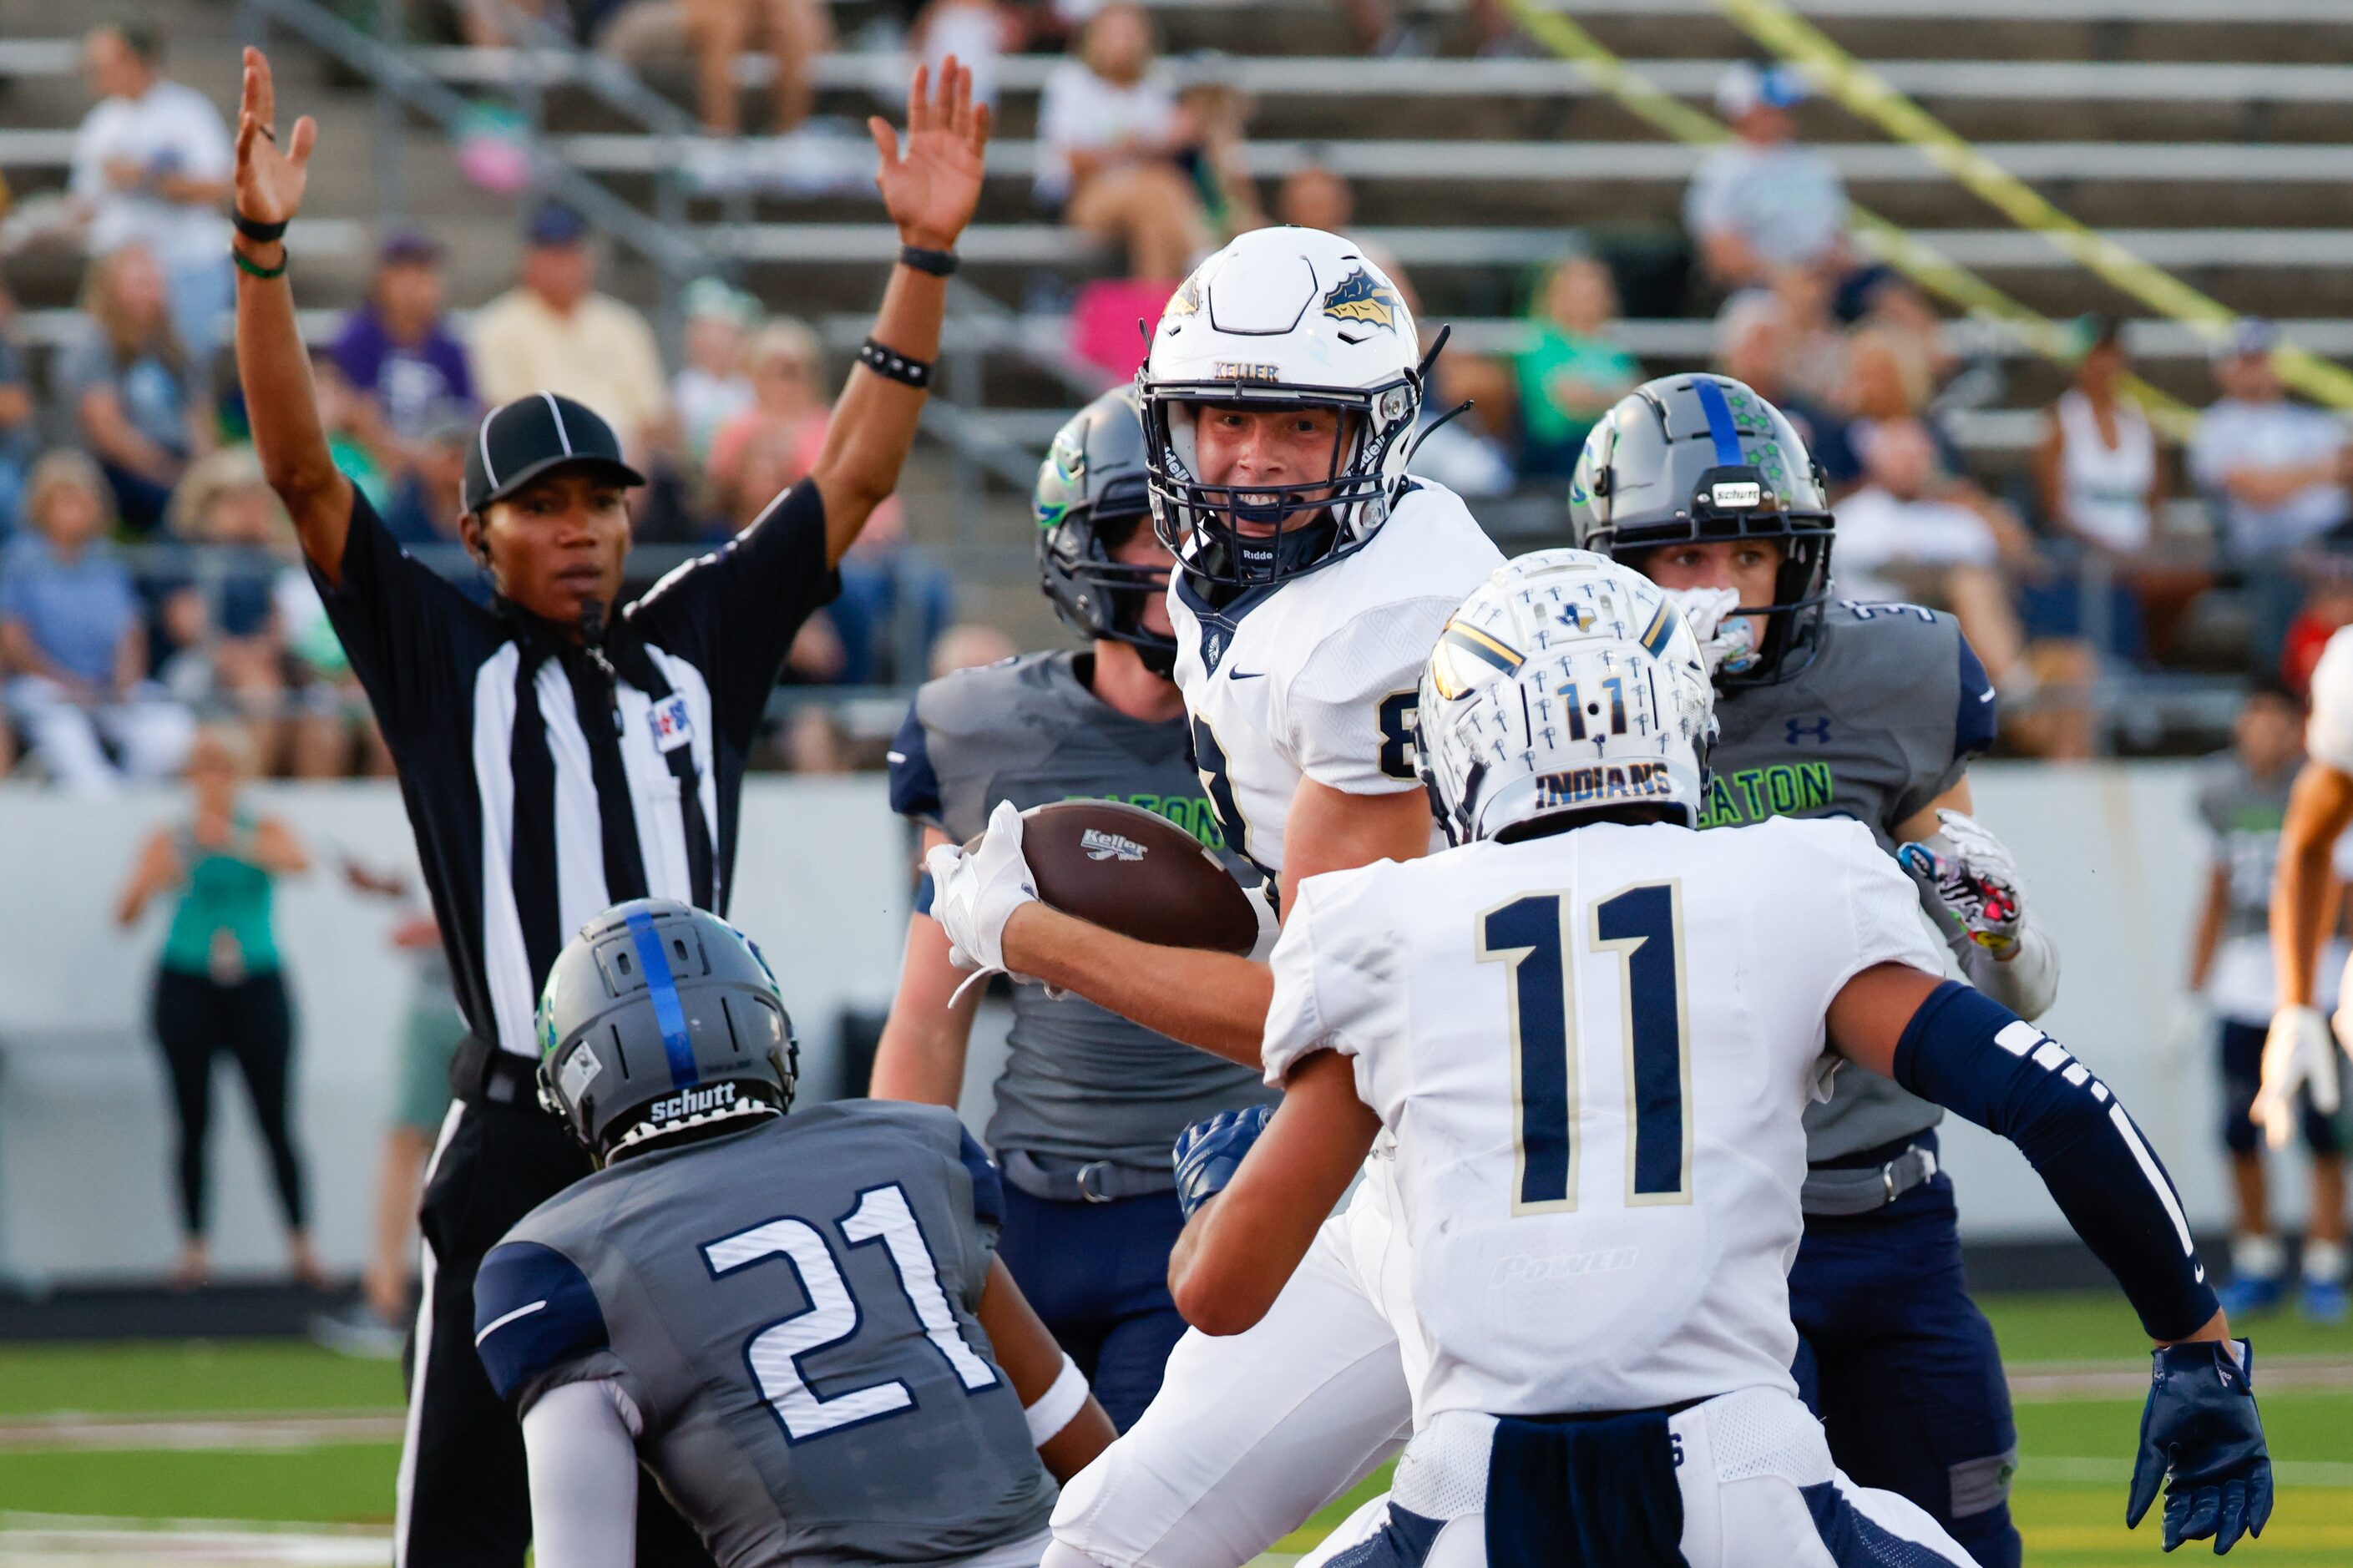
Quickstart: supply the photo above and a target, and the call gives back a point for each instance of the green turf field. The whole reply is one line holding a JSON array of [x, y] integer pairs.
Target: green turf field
[[286, 1432]]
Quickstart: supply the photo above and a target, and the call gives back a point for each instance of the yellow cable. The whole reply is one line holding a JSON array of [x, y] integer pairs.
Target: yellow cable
[[1867, 94]]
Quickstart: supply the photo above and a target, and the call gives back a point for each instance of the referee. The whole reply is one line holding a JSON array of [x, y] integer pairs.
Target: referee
[[558, 752]]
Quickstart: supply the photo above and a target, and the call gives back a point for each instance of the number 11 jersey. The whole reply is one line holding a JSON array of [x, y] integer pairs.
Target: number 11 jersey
[[790, 1314], [1595, 1051]]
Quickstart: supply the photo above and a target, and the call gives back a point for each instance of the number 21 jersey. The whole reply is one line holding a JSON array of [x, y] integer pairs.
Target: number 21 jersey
[[1595, 1050], [791, 1314]]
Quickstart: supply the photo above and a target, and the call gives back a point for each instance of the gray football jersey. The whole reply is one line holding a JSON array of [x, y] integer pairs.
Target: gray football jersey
[[2245, 815], [1881, 722], [792, 1311], [1079, 1081]]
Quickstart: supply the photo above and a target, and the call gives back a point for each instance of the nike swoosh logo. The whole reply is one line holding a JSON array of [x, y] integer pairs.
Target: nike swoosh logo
[[1986, 695], [1244, 674]]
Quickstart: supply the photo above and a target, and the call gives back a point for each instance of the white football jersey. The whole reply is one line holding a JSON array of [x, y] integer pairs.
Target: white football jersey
[[1315, 676], [1595, 1052], [2328, 735]]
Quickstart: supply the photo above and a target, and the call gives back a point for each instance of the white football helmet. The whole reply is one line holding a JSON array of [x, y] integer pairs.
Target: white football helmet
[[1281, 318], [1566, 683]]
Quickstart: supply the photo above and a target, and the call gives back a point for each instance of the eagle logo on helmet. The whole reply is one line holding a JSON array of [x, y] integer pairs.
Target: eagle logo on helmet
[[1187, 299], [1358, 297]]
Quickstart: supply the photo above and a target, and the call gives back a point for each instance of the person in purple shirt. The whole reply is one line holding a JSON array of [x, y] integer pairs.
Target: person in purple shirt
[[396, 349], [73, 639]]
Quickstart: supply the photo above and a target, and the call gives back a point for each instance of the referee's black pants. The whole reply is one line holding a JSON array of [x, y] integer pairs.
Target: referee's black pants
[[464, 1488]]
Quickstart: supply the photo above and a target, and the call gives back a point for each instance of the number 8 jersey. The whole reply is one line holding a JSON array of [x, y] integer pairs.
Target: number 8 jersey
[[1595, 1050], [790, 1315], [1314, 676]]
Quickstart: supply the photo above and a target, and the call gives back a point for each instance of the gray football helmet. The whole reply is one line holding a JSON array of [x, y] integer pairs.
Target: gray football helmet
[[1090, 497], [1704, 458], [660, 1022]]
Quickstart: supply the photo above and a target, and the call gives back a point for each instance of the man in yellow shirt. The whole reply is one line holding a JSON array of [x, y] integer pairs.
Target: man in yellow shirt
[[553, 330]]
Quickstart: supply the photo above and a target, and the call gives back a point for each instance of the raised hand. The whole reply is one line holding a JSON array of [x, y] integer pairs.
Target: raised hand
[[271, 168], [931, 185]]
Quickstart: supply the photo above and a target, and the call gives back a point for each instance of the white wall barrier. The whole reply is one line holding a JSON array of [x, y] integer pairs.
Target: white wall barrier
[[2109, 852]]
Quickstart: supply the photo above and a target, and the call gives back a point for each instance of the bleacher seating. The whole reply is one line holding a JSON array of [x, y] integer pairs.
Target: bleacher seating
[[2213, 141]]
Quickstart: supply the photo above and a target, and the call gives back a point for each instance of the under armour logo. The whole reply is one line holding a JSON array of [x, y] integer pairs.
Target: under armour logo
[[1815, 730]]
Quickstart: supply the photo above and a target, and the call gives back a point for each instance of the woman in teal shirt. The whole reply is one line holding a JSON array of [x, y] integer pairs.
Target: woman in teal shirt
[[219, 987], [1570, 373]]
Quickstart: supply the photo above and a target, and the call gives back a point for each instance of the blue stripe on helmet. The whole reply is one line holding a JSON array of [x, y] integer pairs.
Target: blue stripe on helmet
[[662, 987], [1720, 427]]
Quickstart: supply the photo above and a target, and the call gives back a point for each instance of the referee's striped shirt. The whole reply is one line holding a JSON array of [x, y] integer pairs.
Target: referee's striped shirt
[[546, 782]]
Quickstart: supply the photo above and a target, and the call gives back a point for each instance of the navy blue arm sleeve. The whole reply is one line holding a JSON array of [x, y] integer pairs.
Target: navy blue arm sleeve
[[1976, 1057]]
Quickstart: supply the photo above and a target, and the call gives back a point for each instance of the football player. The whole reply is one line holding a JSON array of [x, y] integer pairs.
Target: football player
[[795, 1322], [2299, 1064], [1280, 399], [1087, 1103], [1871, 712], [1592, 1034]]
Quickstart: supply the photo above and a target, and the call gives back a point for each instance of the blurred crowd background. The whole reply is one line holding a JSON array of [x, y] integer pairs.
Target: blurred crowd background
[[149, 581]]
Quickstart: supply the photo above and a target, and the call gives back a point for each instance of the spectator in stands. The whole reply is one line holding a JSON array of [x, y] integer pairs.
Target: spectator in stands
[[776, 439], [797, 32], [19, 429], [73, 641], [2276, 471], [429, 498], [714, 387], [2095, 470], [970, 646], [1886, 377], [396, 350], [1213, 115], [1571, 370], [884, 578], [2277, 468], [226, 634], [135, 398], [151, 168], [1106, 142], [1752, 339], [218, 987], [1761, 202], [553, 333], [1899, 539]]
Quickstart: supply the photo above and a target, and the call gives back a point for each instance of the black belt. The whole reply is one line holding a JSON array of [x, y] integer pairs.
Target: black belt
[[480, 1072], [1060, 1179]]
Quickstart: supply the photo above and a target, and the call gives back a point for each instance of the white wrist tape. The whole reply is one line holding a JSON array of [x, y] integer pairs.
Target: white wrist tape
[[1058, 1404]]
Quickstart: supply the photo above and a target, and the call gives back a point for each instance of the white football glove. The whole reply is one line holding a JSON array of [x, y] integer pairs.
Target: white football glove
[[2298, 1053], [973, 895], [1727, 643], [1973, 877]]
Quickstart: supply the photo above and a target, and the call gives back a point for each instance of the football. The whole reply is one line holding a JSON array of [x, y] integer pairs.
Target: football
[[1135, 872]]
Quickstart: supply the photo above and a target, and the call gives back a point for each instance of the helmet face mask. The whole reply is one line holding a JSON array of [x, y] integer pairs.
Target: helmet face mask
[[1566, 686], [1090, 499], [1281, 320], [1705, 460], [660, 1024]]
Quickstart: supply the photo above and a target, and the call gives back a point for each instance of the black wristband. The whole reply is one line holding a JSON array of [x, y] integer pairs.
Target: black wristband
[[258, 232], [938, 263], [891, 363]]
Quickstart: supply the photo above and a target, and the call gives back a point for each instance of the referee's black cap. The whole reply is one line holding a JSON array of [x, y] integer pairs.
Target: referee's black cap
[[520, 441]]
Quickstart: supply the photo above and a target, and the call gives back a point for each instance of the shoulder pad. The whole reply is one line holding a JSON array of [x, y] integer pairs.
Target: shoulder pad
[[533, 1311]]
